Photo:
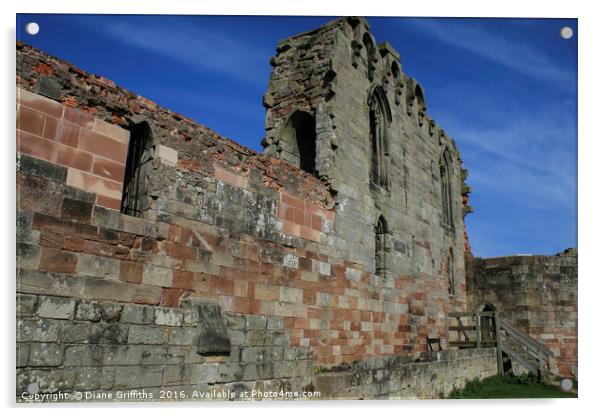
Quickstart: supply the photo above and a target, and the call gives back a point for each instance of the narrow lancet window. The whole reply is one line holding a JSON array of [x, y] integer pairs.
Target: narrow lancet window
[[380, 247], [378, 145], [134, 199], [446, 193], [451, 281]]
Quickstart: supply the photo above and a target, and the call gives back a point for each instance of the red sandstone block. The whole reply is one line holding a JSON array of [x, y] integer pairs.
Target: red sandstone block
[[186, 237], [286, 212], [54, 260], [222, 285], [30, 121], [78, 117], [107, 202], [299, 216], [51, 238], [316, 222], [230, 177], [174, 232], [182, 279], [149, 245], [130, 272], [36, 146], [99, 249], [310, 234], [293, 201], [74, 244], [108, 169], [67, 134], [102, 146], [73, 158], [180, 252], [51, 127], [39, 103], [309, 296], [171, 298], [92, 183], [290, 228], [112, 131], [242, 305]]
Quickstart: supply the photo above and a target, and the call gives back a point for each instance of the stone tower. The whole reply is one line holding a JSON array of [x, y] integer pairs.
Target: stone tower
[[340, 107]]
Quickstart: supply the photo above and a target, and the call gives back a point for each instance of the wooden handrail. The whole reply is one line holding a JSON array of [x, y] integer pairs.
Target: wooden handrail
[[505, 334]]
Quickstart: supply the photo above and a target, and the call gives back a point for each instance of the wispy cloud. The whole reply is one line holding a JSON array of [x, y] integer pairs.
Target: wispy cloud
[[519, 56], [203, 48]]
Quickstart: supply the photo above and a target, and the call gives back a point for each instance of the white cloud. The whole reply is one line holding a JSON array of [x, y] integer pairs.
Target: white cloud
[[521, 57], [193, 45]]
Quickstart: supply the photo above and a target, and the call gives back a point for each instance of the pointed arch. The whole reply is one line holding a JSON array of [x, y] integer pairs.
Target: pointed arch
[[371, 53], [445, 167], [379, 114], [134, 197], [420, 103]]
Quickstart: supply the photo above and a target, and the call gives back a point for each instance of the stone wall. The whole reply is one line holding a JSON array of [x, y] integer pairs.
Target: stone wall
[[538, 294], [281, 262]]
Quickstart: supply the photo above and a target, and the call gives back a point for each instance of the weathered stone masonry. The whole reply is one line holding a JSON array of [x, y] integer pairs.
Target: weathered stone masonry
[[538, 294], [240, 270]]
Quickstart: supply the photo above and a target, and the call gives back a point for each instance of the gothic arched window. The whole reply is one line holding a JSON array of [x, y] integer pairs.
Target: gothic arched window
[[379, 117], [380, 247], [451, 281], [299, 141], [446, 193], [134, 198]]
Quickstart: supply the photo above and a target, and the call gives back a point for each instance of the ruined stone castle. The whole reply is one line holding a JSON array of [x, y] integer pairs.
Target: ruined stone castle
[[154, 254]]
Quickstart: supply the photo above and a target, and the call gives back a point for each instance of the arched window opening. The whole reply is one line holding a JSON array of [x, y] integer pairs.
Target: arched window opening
[[451, 281], [446, 194], [299, 141], [420, 102], [371, 57], [378, 118], [397, 82], [134, 199], [380, 247]]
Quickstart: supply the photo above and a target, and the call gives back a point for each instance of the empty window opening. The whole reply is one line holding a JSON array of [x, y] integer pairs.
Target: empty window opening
[[378, 146], [446, 195], [380, 247], [134, 200], [299, 140], [451, 281]]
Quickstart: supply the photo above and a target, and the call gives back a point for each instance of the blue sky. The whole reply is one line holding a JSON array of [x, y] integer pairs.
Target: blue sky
[[504, 89]]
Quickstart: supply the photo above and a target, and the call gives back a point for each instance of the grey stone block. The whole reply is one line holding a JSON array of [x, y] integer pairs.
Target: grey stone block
[[88, 311], [111, 312], [22, 354], [38, 330], [46, 355], [136, 377], [141, 334], [212, 335], [83, 355], [54, 307], [26, 304], [74, 332], [168, 317], [136, 314]]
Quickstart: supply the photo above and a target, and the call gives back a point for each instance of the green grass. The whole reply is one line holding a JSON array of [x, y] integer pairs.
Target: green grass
[[509, 387]]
